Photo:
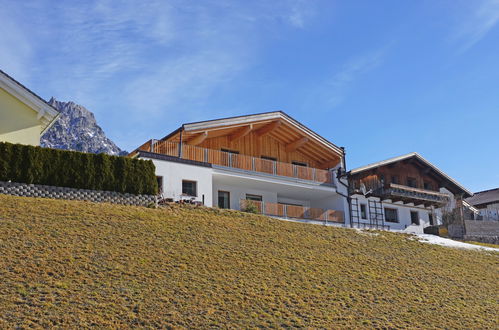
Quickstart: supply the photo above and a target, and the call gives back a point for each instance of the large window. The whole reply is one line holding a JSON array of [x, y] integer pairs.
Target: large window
[[391, 215], [230, 151], [299, 163], [427, 185], [411, 182], [189, 188], [223, 199], [363, 211], [256, 198], [414, 218]]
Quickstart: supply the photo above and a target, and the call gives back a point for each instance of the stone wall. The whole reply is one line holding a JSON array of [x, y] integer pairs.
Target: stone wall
[[34, 190], [482, 231]]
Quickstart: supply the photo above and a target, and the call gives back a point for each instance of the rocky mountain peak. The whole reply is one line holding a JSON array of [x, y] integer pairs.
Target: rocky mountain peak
[[77, 129]]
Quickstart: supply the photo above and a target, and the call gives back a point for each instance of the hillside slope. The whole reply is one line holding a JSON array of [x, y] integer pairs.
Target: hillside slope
[[82, 264]]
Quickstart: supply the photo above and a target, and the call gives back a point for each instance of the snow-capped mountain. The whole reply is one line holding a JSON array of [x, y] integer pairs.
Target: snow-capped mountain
[[77, 129]]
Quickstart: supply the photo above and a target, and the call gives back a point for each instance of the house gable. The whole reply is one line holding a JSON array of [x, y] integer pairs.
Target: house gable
[[24, 116], [273, 135]]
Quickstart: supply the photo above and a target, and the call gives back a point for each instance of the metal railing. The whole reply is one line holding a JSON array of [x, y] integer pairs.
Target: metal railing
[[242, 162], [292, 211]]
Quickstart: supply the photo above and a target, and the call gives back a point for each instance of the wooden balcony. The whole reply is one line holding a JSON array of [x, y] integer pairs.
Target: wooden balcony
[[294, 211], [400, 193], [397, 192], [241, 162]]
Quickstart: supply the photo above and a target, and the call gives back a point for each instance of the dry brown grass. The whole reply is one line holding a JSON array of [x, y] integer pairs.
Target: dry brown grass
[[79, 264]]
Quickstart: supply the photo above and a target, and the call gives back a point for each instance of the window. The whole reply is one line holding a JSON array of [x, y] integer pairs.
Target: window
[[414, 218], [430, 217], [427, 185], [230, 151], [189, 188], [382, 178], [411, 182], [391, 215], [159, 180], [223, 199], [363, 211], [269, 158], [395, 179], [300, 163], [256, 198]]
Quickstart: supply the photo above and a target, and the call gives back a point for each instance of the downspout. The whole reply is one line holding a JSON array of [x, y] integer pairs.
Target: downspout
[[338, 176], [180, 143]]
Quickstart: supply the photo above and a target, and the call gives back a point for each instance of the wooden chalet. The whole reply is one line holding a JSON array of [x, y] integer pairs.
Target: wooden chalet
[[272, 143], [283, 167], [408, 179]]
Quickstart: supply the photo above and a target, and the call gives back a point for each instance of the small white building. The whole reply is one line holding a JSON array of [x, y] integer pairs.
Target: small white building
[[267, 161], [405, 193], [486, 204]]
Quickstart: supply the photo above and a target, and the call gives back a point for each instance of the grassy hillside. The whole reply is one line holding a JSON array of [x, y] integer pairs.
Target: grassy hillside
[[76, 263]]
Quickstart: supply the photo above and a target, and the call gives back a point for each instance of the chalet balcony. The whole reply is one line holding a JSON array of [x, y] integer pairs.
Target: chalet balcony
[[240, 162], [397, 192], [400, 193], [294, 211]]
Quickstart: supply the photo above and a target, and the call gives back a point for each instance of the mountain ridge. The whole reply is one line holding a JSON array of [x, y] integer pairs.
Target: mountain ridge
[[77, 129]]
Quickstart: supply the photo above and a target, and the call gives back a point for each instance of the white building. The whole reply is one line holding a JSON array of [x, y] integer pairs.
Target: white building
[[402, 193], [283, 168]]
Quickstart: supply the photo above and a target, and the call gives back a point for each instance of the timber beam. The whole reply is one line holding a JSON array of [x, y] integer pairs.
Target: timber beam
[[296, 144], [240, 133], [268, 128], [198, 139]]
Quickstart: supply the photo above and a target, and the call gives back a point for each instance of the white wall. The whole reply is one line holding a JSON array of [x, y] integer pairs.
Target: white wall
[[173, 173], [404, 215], [239, 192]]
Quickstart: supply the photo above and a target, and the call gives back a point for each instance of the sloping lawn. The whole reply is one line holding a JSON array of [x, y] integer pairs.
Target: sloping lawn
[[79, 264]]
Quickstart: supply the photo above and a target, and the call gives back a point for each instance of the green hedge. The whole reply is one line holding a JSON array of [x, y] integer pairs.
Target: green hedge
[[28, 164]]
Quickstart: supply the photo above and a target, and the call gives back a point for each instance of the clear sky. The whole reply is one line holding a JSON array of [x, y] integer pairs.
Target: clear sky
[[381, 78]]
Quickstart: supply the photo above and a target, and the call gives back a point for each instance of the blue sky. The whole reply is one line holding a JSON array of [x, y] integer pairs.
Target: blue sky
[[381, 78]]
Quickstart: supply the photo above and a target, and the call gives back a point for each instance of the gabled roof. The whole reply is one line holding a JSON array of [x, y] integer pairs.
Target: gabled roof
[[417, 156], [484, 197], [248, 119], [47, 114], [276, 124]]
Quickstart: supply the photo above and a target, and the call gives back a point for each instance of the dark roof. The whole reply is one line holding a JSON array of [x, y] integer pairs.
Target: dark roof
[[484, 197], [453, 185]]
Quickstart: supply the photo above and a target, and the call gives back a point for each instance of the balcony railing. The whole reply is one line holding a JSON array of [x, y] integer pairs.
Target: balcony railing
[[293, 211], [400, 192], [393, 189], [242, 162]]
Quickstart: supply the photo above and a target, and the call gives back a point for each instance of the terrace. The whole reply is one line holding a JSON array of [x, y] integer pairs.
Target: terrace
[[293, 211], [240, 162]]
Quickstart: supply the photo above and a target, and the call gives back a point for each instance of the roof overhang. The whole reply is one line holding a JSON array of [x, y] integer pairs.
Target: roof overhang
[[262, 117], [276, 124], [47, 114], [453, 183]]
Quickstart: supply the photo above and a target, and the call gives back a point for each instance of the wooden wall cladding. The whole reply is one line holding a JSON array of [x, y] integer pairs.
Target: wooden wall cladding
[[403, 171], [257, 147]]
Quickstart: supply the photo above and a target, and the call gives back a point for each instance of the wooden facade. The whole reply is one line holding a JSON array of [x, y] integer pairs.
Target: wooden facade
[[279, 139], [271, 143], [409, 179], [401, 173]]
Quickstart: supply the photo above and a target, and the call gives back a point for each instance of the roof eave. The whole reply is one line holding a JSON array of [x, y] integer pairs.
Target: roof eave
[[47, 114], [407, 156]]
